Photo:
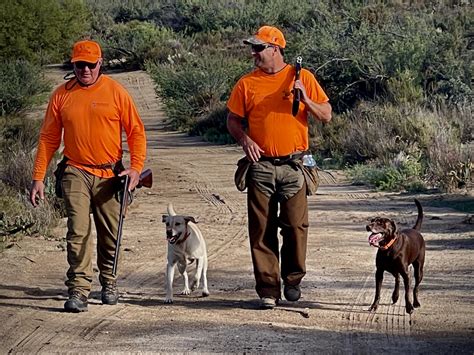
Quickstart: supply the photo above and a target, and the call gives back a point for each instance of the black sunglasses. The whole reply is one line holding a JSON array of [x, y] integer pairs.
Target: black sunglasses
[[82, 65], [257, 48]]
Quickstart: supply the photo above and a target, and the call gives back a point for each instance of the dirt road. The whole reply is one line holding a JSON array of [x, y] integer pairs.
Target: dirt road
[[332, 315]]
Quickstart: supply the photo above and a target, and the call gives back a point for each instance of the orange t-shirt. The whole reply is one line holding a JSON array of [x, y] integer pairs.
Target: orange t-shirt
[[265, 100], [92, 119]]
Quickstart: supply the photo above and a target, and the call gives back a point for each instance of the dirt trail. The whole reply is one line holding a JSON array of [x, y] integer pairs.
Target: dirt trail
[[332, 315]]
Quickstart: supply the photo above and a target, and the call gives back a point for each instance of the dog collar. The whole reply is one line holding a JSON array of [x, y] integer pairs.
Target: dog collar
[[186, 235], [389, 244]]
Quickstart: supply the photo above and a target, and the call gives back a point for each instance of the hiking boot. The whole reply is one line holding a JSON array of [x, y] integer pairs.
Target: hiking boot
[[292, 293], [76, 303], [268, 303], [110, 293]]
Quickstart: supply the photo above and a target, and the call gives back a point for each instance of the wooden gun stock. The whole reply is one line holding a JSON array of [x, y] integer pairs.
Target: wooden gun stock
[[297, 93], [146, 179]]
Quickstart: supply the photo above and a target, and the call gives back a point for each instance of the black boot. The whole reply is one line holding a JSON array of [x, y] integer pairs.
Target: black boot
[[292, 293], [76, 303], [110, 293]]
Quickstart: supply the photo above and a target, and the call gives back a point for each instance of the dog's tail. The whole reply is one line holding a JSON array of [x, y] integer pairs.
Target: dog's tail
[[420, 215], [171, 211]]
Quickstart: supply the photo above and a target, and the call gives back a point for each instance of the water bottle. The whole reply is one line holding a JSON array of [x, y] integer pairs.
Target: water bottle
[[309, 161]]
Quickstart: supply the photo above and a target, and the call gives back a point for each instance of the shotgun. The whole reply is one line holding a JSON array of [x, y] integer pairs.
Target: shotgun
[[297, 92], [146, 180]]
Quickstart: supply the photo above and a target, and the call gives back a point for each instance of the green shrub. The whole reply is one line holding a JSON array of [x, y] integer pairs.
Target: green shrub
[[197, 87], [41, 31], [135, 43], [214, 127], [18, 140], [19, 217], [21, 86], [403, 173]]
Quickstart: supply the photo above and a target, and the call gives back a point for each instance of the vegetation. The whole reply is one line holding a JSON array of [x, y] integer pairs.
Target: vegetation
[[399, 77]]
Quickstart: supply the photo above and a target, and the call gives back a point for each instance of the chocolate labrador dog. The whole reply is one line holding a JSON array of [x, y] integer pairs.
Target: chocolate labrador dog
[[397, 251]]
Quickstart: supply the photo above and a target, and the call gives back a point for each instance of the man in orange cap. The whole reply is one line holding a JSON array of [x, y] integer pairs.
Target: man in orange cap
[[90, 111], [273, 142]]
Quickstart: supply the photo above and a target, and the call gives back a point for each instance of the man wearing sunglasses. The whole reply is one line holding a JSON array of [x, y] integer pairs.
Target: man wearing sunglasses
[[88, 113], [273, 141]]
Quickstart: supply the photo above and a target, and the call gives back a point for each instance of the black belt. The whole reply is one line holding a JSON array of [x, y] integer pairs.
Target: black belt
[[283, 159]]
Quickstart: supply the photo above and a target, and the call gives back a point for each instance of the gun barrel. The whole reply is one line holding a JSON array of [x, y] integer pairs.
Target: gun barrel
[[123, 208]]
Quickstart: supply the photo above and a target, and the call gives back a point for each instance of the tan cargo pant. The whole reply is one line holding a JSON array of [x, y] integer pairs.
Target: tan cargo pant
[[269, 187], [85, 193]]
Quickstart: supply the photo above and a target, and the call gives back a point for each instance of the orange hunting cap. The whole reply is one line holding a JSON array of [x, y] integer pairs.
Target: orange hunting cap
[[267, 34], [86, 51]]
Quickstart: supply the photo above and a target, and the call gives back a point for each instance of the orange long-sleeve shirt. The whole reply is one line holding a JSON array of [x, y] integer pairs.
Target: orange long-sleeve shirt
[[91, 119]]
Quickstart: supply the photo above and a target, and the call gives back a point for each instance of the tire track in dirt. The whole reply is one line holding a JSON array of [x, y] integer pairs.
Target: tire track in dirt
[[48, 331]]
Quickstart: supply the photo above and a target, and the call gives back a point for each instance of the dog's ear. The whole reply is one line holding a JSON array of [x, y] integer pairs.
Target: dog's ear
[[189, 219], [393, 227], [164, 218]]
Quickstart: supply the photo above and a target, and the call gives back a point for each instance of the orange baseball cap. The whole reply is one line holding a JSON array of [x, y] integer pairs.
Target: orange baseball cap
[[86, 51], [267, 34]]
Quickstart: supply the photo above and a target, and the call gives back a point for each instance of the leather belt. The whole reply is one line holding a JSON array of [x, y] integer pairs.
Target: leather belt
[[283, 159]]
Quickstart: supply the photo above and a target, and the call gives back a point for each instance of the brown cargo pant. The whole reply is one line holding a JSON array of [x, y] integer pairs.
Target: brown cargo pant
[[269, 187], [85, 193]]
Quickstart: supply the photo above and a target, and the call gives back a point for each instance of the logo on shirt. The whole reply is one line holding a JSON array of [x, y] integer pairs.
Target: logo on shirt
[[99, 104], [286, 94]]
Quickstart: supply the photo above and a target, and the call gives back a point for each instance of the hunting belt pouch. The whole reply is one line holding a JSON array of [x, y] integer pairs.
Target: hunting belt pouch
[[240, 177], [59, 174], [311, 177]]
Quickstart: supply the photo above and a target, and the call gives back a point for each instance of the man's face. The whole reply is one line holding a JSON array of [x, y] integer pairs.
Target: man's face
[[87, 73], [262, 54]]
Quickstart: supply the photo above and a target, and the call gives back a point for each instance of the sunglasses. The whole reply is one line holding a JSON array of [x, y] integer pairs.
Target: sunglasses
[[83, 65], [257, 48]]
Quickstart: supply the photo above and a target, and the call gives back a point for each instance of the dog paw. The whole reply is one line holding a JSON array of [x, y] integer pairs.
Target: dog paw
[[205, 293], [416, 304], [186, 291], [168, 301], [409, 308], [373, 308]]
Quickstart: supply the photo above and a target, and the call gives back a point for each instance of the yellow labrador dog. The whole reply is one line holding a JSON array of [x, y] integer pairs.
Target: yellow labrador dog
[[185, 245]]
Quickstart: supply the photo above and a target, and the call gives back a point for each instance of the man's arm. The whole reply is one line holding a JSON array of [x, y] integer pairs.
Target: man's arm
[[321, 111], [250, 148], [136, 139]]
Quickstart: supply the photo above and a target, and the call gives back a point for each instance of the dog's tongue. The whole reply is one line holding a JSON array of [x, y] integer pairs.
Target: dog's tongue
[[374, 238]]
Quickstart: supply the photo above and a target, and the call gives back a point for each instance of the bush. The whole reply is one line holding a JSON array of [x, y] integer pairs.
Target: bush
[[41, 31], [197, 87], [21, 86], [17, 142], [135, 43]]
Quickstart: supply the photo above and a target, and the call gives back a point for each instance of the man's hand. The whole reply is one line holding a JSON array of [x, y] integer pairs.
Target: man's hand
[[322, 111], [251, 149], [134, 177], [36, 192], [300, 86]]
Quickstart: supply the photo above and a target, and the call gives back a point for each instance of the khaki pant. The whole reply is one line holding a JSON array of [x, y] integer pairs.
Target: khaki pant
[[269, 187], [84, 194]]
